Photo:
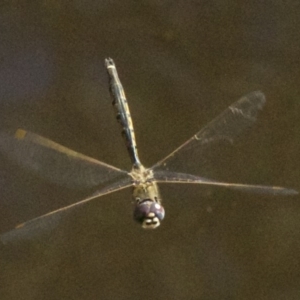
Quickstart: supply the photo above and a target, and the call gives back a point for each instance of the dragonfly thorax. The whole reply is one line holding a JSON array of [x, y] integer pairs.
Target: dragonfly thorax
[[141, 175], [148, 209]]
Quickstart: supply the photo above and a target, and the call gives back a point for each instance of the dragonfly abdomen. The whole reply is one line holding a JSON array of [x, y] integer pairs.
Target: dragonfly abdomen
[[122, 111]]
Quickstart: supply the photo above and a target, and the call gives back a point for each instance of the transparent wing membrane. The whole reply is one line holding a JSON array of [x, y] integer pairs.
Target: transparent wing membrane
[[172, 177], [196, 153], [48, 222], [55, 162]]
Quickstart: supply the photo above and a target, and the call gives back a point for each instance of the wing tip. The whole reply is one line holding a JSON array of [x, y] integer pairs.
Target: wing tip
[[20, 134], [259, 95], [290, 192]]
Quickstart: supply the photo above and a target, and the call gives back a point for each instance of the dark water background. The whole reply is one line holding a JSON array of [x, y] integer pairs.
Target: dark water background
[[181, 63]]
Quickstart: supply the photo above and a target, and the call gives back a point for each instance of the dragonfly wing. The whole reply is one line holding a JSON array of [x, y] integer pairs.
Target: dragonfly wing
[[46, 223], [55, 162], [172, 177], [196, 153]]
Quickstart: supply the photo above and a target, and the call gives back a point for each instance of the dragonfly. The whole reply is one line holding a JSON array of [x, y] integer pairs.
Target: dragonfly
[[72, 169]]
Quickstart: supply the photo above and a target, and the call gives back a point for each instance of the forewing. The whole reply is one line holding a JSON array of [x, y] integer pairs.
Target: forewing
[[197, 153], [172, 177], [55, 162], [45, 224]]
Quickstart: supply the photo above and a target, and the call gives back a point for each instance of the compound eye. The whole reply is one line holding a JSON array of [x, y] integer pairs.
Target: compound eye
[[149, 214]]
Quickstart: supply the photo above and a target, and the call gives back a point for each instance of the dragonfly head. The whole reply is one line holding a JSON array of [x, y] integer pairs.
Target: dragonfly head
[[149, 213]]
